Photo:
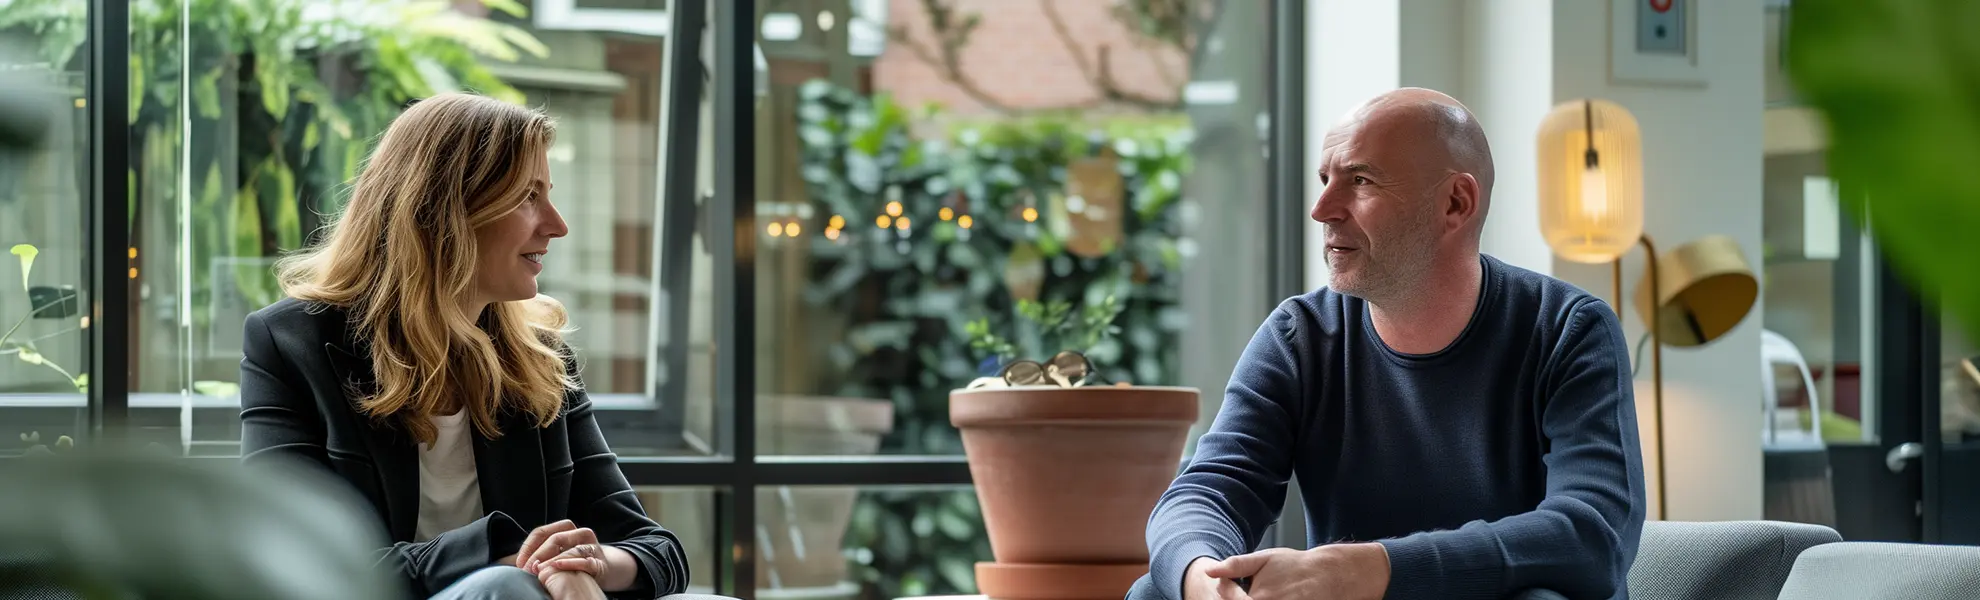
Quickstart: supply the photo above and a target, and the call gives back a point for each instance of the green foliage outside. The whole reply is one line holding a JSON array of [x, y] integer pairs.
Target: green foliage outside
[[914, 302], [286, 99]]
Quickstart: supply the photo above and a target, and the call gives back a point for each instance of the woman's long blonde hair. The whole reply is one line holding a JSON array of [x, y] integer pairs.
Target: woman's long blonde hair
[[403, 254]]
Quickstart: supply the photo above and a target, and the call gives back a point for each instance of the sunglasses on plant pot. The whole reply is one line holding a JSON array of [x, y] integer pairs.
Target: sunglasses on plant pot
[[1068, 369]]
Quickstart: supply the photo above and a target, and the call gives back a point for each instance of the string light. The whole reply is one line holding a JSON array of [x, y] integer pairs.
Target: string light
[[964, 221], [894, 209], [947, 214], [791, 230], [1030, 214], [837, 222], [832, 234], [902, 223], [884, 221], [776, 229]]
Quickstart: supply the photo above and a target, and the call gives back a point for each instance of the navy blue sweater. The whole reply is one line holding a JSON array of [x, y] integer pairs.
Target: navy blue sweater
[[1507, 461]]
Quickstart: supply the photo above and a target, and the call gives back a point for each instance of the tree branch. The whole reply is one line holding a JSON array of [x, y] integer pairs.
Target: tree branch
[[1103, 79], [945, 65]]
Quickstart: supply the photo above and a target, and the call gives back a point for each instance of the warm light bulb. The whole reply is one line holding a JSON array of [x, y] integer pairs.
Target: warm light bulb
[[946, 213], [893, 209], [964, 221], [1030, 214], [832, 234], [775, 229], [884, 221], [1594, 194], [902, 224], [791, 230], [838, 222]]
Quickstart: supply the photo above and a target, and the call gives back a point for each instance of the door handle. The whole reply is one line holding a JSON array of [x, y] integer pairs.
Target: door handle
[[1901, 455]]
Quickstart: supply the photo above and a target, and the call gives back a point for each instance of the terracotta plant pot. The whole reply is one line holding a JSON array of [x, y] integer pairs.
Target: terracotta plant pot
[[1067, 479]]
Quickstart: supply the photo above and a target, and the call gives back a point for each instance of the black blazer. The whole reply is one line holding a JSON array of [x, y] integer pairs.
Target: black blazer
[[296, 407]]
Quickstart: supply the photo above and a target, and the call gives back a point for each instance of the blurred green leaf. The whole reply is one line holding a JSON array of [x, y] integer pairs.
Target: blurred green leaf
[[1895, 83]]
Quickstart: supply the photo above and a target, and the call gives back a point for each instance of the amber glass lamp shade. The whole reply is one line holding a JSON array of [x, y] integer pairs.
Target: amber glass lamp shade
[[1591, 180]]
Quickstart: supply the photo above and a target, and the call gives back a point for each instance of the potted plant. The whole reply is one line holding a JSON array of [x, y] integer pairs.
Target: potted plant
[[1067, 469]]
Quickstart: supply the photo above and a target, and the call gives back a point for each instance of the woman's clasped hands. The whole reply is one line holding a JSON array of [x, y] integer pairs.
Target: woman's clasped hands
[[572, 564]]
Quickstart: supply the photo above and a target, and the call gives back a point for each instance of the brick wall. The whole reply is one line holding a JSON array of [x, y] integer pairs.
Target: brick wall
[[1016, 57]]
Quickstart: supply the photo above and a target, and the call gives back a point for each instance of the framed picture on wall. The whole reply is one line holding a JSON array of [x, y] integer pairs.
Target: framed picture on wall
[[1655, 42]]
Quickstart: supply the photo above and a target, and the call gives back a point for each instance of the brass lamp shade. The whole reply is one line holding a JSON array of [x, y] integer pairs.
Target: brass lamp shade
[[1591, 180], [1707, 289]]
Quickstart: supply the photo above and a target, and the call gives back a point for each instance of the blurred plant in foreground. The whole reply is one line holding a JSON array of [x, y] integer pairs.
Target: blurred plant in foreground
[[1895, 83]]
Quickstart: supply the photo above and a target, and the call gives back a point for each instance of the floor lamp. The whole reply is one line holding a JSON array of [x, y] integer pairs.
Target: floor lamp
[[1591, 211]]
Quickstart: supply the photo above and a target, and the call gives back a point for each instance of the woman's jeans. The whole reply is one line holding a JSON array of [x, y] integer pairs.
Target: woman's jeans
[[495, 583]]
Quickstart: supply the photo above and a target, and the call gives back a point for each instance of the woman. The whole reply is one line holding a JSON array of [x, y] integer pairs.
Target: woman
[[414, 360]]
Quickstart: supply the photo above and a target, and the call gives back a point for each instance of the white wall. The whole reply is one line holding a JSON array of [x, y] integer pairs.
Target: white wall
[[1508, 75], [1352, 54], [1703, 150]]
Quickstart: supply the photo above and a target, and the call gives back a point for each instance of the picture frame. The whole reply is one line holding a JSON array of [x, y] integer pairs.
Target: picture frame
[[1631, 23]]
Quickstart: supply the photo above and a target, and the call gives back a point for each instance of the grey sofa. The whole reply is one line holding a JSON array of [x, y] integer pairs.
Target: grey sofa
[[1729, 560], [1853, 570]]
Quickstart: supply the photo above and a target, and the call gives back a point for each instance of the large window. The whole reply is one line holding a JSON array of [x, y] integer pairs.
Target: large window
[[45, 185], [795, 226]]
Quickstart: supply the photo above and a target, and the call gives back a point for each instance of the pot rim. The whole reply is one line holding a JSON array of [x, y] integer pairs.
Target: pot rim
[[1104, 405], [1057, 389]]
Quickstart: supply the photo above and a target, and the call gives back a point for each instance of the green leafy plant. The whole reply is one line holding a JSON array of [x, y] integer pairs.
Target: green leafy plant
[[26, 350], [1047, 328], [1895, 84]]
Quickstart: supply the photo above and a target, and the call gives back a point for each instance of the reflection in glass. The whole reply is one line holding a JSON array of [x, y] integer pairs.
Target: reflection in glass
[[1817, 304], [45, 189], [842, 542], [690, 514], [1959, 387]]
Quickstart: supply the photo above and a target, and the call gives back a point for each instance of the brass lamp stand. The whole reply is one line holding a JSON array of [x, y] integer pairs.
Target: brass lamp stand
[[1656, 357], [1689, 297]]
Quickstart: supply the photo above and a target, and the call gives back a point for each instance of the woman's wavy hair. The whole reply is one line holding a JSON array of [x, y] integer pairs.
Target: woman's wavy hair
[[403, 254]]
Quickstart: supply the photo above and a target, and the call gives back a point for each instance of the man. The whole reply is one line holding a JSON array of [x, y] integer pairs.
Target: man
[[1460, 427]]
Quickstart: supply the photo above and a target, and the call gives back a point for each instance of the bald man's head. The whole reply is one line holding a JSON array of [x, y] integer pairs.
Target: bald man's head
[[1436, 131], [1406, 180]]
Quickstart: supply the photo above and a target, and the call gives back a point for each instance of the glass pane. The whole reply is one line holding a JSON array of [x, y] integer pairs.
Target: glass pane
[[1818, 323], [880, 543], [690, 514], [900, 202], [45, 189], [282, 115], [1957, 470], [1959, 388]]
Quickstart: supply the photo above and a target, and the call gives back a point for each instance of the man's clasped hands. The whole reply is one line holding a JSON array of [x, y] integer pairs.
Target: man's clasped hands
[[571, 564], [1329, 572]]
